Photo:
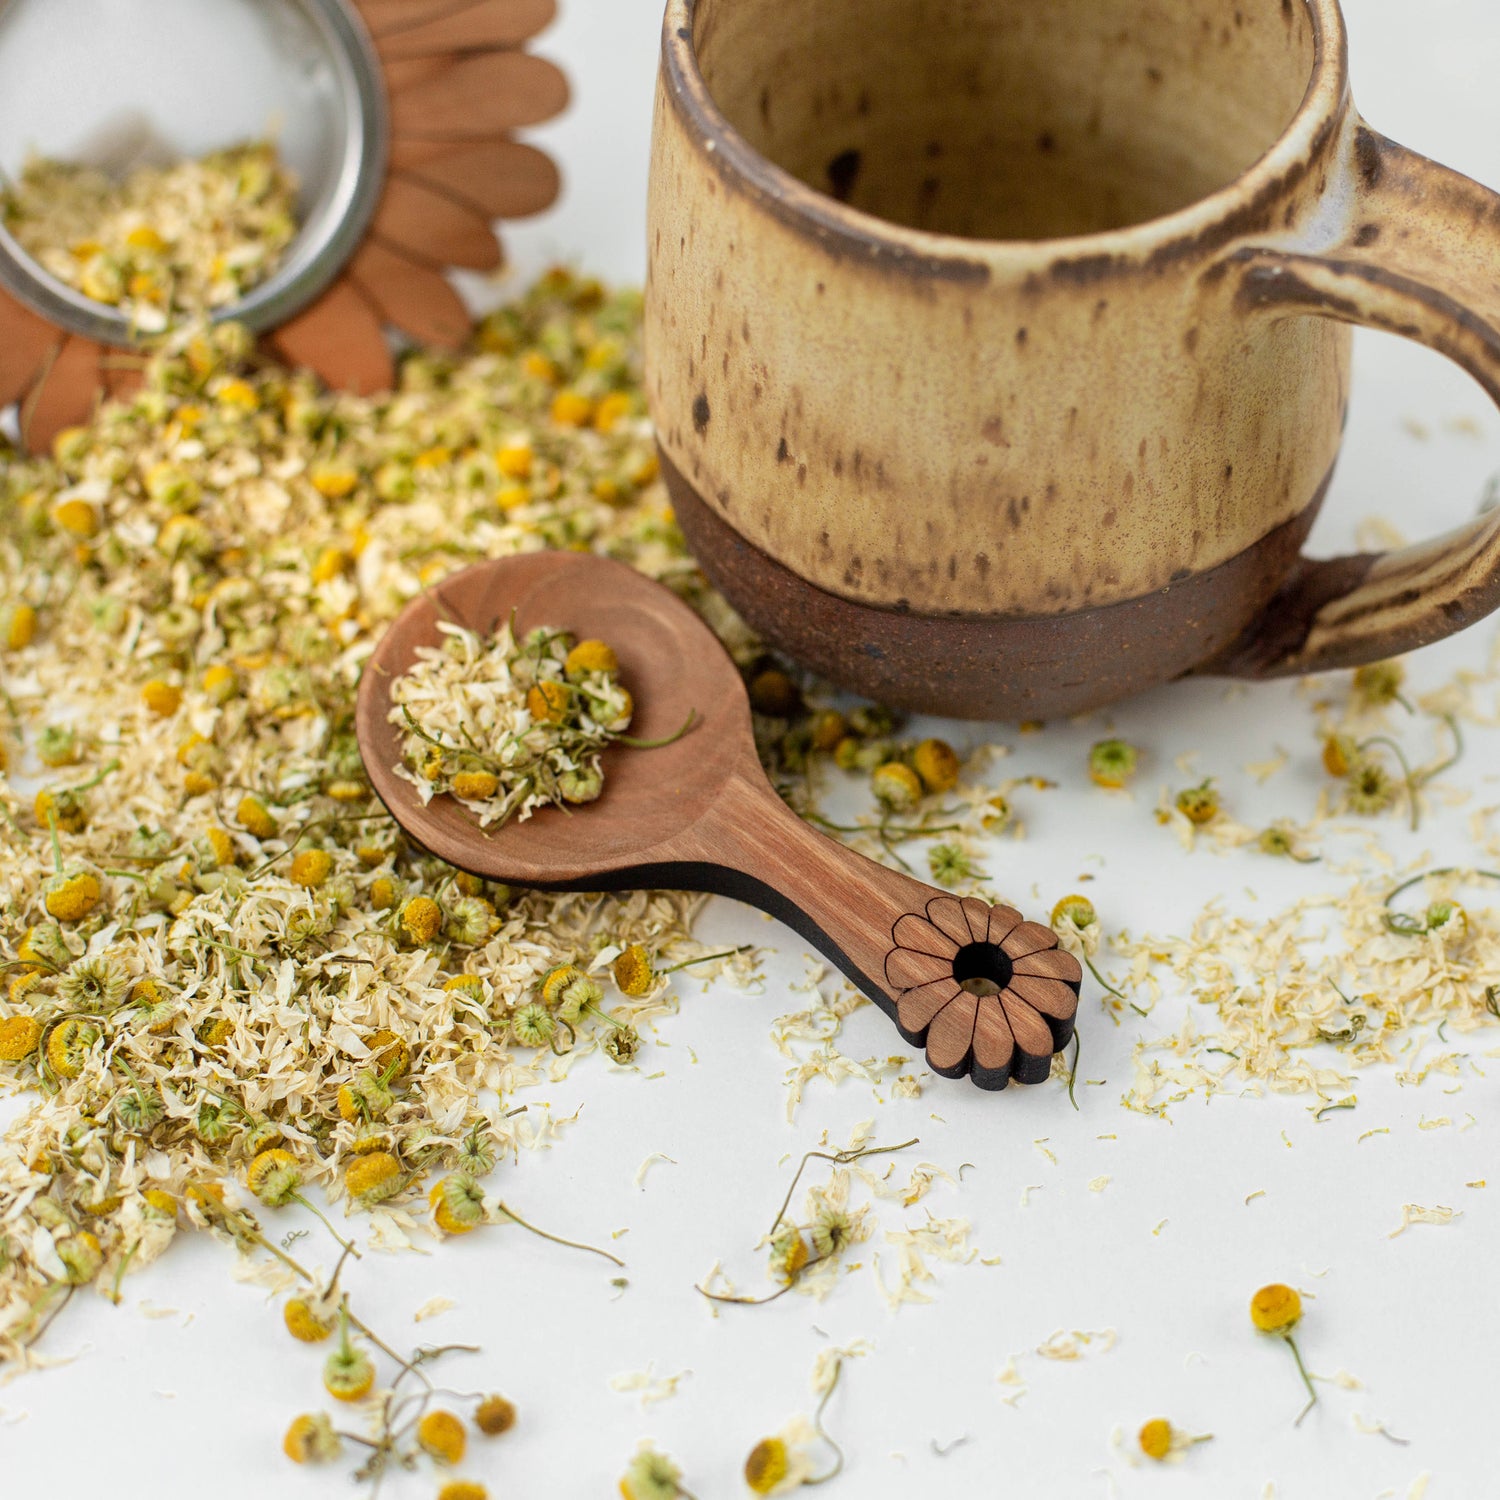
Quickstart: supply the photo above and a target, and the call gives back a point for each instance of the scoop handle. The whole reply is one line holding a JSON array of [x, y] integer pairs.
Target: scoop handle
[[924, 956]]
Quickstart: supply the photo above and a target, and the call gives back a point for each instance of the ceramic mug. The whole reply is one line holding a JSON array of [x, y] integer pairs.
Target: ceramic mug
[[999, 351]]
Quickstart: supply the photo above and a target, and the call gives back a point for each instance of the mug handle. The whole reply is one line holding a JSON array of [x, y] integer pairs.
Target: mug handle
[[1419, 256]]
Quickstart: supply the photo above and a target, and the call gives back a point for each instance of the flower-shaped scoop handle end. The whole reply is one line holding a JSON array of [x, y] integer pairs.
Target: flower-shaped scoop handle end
[[989, 994]]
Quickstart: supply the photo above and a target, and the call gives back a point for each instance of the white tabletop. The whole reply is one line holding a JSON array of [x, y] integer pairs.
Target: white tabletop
[[1166, 1254]]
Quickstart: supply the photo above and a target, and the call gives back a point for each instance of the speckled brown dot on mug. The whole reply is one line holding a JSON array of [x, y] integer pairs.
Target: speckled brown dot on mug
[[999, 352]]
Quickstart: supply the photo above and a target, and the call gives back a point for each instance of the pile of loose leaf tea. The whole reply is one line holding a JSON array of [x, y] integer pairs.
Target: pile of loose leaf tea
[[216, 944], [506, 727], [164, 243]]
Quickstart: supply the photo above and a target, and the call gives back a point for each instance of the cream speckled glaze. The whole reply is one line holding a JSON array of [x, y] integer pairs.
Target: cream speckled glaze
[[998, 351]]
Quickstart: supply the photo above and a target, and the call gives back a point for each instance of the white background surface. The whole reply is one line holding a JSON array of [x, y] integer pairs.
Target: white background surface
[[171, 1407]]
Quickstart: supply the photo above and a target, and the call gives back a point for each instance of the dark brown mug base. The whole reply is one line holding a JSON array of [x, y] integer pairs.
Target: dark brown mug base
[[966, 667]]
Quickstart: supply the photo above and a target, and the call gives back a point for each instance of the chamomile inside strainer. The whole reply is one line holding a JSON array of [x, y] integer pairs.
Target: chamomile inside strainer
[[269, 110]]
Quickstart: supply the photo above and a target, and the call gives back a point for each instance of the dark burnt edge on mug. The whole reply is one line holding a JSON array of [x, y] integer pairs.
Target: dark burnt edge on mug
[[845, 233]]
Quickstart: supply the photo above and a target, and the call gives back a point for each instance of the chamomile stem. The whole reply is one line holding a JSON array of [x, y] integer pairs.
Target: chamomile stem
[[1312, 1395], [312, 1208], [822, 1431], [761, 1301], [671, 739], [557, 1239], [1073, 1072], [706, 958], [839, 1159], [1413, 786], [1118, 994]]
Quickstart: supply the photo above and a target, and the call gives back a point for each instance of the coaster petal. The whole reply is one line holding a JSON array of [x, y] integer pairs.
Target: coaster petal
[[994, 1045], [905, 968], [950, 1037], [470, 28], [977, 914], [946, 913], [340, 338], [918, 934], [917, 1009], [1034, 1048], [475, 97], [502, 179], [420, 221], [1051, 963], [1028, 938], [1051, 997], [415, 298], [64, 394], [1003, 921]]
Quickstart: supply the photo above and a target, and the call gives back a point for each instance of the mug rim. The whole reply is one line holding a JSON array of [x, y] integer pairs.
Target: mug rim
[[1212, 219]]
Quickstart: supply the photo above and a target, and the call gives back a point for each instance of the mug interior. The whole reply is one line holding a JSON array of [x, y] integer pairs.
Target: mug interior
[[1009, 119]]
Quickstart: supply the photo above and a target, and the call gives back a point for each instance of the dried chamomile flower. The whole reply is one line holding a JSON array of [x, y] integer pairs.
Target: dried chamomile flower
[[1371, 788], [469, 921], [17, 626], [255, 818], [44, 944], [949, 865], [476, 1153], [1199, 804], [374, 1177], [1380, 683], [57, 745], [588, 658], [768, 1466], [420, 920], [19, 1037], [303, 1321], [441, 1435], [1158, 1439], [310, 868], [1112, 763], [390, 1054], [463, 1489], [621, 1044], [937, 763], [311, 1439], [274, 1177], [82, 1257], [72, 894], [1340, 752], [789, 1255], [366, 1097], [457, 1204], [896, 786], [652, 1476], [494, 1415], [139, 1107], [533, 1025], [577, 996], [93, 984], [632, 971], [1277, 1310], [1281, 842], [831, 1231], [68, 1045], [349, 1372], [773, 693]]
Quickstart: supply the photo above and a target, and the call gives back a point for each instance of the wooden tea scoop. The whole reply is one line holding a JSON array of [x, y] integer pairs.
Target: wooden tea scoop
[[989, 994]]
